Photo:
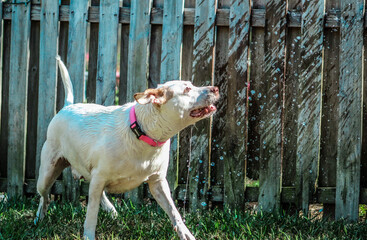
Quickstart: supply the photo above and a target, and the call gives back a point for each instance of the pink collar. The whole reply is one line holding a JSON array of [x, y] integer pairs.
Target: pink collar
[[139, 133]]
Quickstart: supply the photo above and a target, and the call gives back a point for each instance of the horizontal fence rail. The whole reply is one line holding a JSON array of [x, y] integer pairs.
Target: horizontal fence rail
[[292, 118], [332, 17]]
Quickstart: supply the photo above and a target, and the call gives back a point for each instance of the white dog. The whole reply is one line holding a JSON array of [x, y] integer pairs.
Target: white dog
[[117, 148]]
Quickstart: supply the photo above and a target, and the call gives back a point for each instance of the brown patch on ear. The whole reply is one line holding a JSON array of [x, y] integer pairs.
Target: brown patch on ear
[[157, 96]]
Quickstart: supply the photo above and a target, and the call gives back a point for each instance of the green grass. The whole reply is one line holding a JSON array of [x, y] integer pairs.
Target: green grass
[[64, 221]]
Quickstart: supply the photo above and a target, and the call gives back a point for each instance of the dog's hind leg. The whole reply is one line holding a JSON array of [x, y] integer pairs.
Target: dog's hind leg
[[51, 167], [107, 205]]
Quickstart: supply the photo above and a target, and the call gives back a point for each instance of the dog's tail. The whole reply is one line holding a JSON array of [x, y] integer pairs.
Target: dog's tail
[[68, 86]]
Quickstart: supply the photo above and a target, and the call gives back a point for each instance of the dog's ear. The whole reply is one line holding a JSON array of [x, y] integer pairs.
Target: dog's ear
[[157, 96]]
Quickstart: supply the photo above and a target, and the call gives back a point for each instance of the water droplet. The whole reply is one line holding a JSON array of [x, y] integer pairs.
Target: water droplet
[[212, 164], [253, 92], [221, 157], [203, 204]]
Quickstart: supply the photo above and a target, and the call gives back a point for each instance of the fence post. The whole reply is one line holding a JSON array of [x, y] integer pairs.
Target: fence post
[[309, 100], [271, 106], [204, 30], [172, 33], [137, 78], [18, 86], [350, 115]]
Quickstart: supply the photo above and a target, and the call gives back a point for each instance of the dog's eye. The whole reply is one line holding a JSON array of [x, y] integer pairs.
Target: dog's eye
[[187, 90]]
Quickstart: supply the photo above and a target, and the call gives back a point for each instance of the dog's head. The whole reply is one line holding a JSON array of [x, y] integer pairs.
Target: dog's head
[[181, 101]]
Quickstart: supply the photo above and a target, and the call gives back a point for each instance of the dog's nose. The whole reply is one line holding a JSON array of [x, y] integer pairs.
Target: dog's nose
[[214, 89]]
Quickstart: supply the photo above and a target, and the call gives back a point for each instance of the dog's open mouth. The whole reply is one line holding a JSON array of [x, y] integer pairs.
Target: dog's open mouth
[[203, 112]]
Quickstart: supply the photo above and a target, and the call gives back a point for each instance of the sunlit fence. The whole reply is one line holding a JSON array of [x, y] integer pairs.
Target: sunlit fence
[[290, 123]]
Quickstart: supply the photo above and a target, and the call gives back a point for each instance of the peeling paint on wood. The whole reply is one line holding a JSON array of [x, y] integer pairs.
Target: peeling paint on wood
[[18, 84], [350, 115], [271, 106]]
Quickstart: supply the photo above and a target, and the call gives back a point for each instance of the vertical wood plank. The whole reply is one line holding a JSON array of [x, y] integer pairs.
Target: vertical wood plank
[[62, 52], [186, 74], [77, 45], [330, 106], [271, 108], [5, 98], [218, 151], [138, 62], [124, 58], [172, 32], [364, 124], [75, 64], [107, 52], [350, 116], [92, 61], [309, 100], [155, 48], [202, 75], [293, 68], [255, 87], [47, 72], [139, 39], [32, 108], [235, 162], [18, 84]]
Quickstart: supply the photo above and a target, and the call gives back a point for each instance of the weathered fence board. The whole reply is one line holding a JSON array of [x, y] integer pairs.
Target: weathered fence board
[[107, 52], [309, 101], [47, 72], [271, 108], [172, 32], [293, 68], [124, 58], [32, 108], [350, 116], [186, 74], [18, 83], [92, 59], [235, 162], [5, 97], [202, 75], [62, 52], [138, 63], [218, 139], [364, 127], [330, 105], [75, 63], [155, 48]]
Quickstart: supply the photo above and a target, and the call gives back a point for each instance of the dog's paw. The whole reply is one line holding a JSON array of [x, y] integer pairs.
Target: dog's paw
[[183, 232]]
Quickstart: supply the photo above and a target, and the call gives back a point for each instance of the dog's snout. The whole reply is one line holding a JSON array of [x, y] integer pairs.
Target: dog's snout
[[214, 89]]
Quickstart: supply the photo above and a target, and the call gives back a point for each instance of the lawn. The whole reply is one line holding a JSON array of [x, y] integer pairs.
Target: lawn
[[150, 222]]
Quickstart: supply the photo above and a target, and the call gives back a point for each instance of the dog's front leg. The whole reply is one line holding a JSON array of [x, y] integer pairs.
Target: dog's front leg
[[96, 187], [161, 192]]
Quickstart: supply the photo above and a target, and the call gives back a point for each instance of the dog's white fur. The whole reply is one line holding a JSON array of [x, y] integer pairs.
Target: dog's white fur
[[99, 145]]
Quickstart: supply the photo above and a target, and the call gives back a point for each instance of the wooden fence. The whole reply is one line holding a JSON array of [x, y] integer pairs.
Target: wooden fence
[[290, 73]]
